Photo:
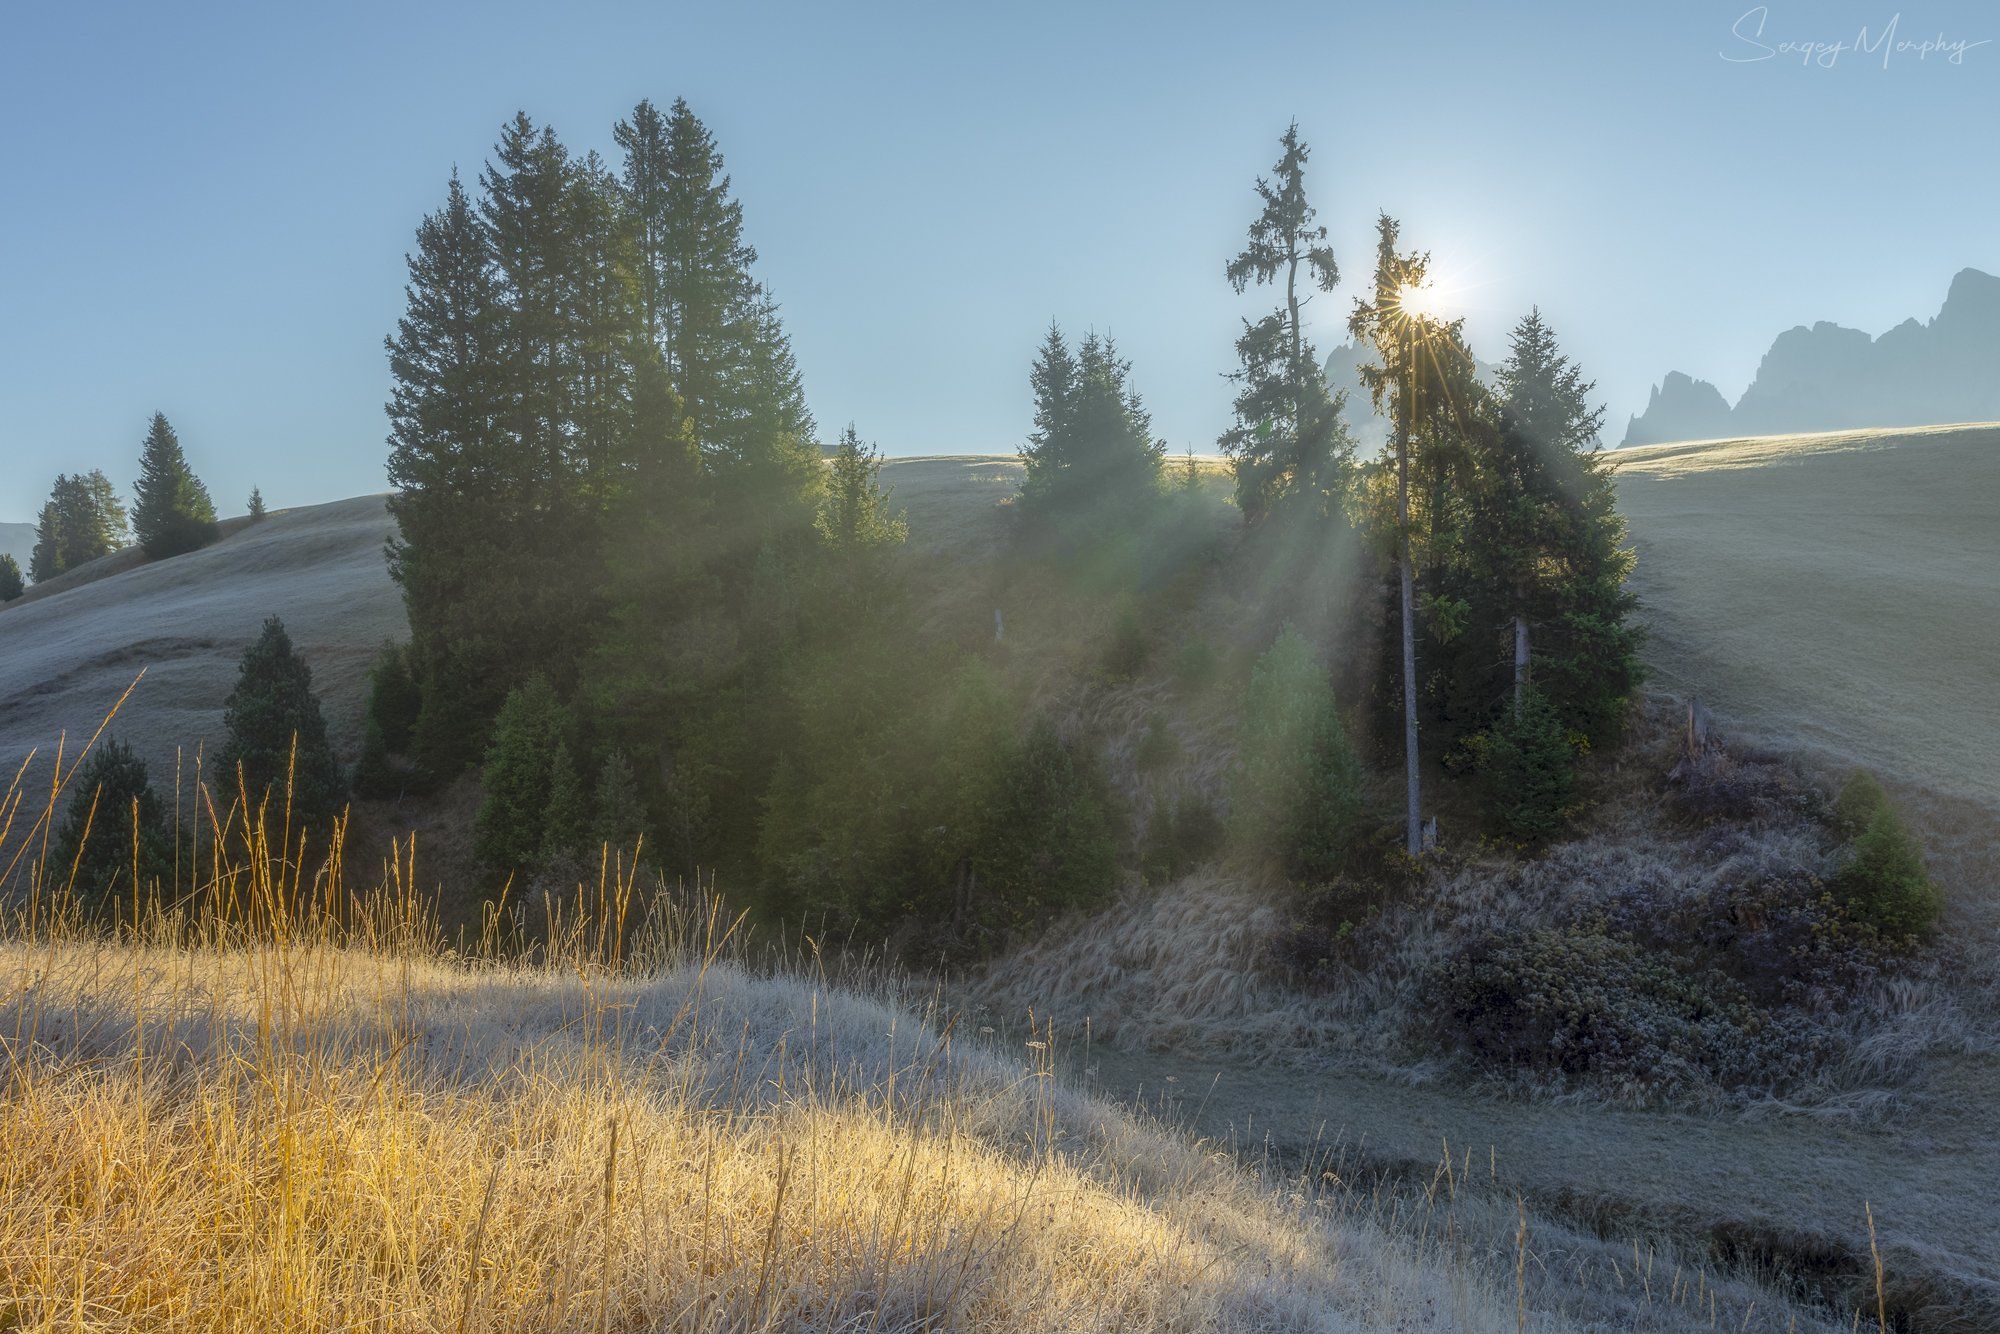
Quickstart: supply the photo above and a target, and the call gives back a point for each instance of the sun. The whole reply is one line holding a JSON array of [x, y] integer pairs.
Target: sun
[[1429, 300]]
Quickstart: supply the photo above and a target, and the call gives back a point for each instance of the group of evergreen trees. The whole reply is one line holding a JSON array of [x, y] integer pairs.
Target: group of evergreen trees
[[84, 519], [1493, 506], [1091, 457], [598, 437]]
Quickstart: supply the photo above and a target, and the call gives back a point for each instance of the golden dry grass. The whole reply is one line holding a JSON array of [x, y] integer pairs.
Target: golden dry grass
[[263, 1102]]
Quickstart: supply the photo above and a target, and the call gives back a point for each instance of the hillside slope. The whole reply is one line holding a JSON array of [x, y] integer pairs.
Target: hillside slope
[[1832, 592], [66, 655]]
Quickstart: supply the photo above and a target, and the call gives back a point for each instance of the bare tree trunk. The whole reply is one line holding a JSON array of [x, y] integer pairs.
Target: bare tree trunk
[[1415, 794], [1520, 662]]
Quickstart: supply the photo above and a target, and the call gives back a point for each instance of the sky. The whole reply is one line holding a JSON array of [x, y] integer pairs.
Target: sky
[[204, 210]]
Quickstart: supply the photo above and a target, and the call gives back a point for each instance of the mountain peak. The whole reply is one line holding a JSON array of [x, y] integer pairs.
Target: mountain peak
[[1824, 377]]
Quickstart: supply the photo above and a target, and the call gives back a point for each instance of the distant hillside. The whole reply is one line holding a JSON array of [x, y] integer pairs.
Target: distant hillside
[[70, 648], [1827, 378], [17, 540], [1343, 374]]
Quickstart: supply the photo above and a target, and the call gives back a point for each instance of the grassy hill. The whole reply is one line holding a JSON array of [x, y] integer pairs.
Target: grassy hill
[[1834, 591], [70, 648]]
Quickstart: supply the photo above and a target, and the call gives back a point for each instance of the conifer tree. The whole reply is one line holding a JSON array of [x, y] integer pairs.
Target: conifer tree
[[81, 521], [10, 577], [114, 823], [1298, 787], [256, 505], [171, 511], [1397, 383], [619, 820], [566, 820], [449, 472], [1289, 442], [854, 517], [277, 742], [513, 823], [1092, 454]]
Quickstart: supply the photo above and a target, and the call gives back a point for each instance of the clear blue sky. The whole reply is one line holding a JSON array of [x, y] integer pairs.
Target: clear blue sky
[[206, 212]]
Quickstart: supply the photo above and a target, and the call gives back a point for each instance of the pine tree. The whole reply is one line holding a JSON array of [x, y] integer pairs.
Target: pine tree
[[277, 742], [513, 823], [854, 517], [114, 822], [1397, 383], [1527, 772], [1297, 795], [620, 812], [81, 521], [1289, 442], [566, 820], [10, 577], [256, 507], [171, 511], [1092, 457], [449, 471]]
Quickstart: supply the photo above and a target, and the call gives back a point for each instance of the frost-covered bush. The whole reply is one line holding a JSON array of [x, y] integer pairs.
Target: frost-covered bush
[[1582, 1001]]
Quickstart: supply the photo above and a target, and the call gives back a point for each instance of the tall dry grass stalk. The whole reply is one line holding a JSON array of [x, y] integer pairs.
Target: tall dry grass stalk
[[259, 1100]]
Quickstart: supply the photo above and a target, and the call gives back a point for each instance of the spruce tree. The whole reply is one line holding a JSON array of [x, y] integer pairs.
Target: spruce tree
[[81, 521], [1289, 442], [854, 517], [1092, 457], [277, 744], [1298, 788], [171, 511], [114, 822], [10, 577], [448, 468], [566, 819], [513, 825], [619, 820], [1399, 384], [256, 505]]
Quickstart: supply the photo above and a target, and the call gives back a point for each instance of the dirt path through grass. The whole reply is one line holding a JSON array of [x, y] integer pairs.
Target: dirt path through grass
[[1785, 1185]]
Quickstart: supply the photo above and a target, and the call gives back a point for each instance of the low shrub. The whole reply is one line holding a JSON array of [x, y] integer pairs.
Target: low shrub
[[1584, 1002], [1159, 747]]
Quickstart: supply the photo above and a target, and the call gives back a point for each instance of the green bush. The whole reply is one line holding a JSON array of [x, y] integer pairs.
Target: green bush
[[1297, 795], [114, 823], [1197, 664], [1527, 772], [1861, 796], [10, 578], [1884, 884]]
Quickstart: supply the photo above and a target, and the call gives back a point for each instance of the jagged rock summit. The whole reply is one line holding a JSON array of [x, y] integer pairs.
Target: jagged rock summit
[[1830, 378]]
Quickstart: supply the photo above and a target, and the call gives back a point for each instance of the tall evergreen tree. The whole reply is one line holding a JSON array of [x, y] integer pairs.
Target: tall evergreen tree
[[451, 477], [81, 521], [10, 577], [277, 744], [255, 506], [171, 511], [1289, 442], [1398, 383]]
